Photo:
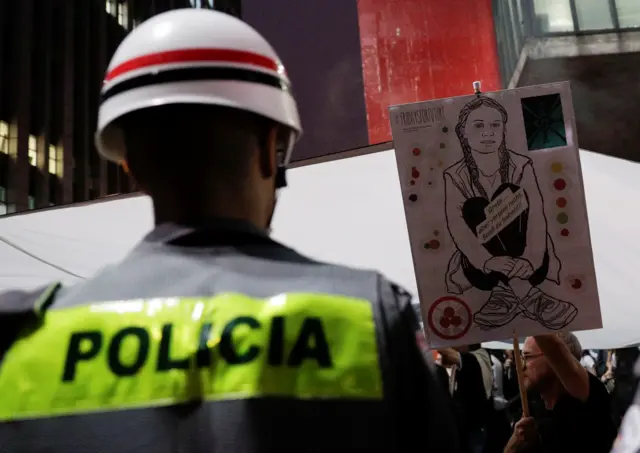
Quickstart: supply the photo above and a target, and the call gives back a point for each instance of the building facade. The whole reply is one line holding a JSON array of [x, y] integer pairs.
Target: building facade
[[348, 61], [53, 55], [594, 44]]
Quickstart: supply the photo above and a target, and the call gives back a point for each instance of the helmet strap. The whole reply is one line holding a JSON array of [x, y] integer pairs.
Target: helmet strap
[[281, 181], [275, 203], [281, 177]]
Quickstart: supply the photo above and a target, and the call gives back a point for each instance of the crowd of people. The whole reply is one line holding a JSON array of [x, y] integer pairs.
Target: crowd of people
[[577, 398]]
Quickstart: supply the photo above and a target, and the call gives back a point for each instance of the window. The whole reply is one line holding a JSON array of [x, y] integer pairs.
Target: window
[[56, 160], [594, 14], [53, 159], [123, 14], [553, 16], [4, 137], [31, 202], [120, 10], [203, 4], [112, 7], [629, 13], [33, 151]]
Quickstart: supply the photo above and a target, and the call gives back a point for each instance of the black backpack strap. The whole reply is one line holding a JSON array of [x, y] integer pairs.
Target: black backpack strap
[[22, 309]]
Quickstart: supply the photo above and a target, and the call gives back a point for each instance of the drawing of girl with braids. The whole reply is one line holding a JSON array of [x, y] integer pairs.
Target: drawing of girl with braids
[[513, 263]]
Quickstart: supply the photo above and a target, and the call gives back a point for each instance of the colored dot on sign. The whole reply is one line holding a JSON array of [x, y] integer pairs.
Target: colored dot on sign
[[412, 182], [456, 321], [564, 232], [449, 312], [440, 164], [444, 322], [434, 244], [413, 197], [445, 129], [415, 173], [436, 232], [561, 202], [576, 283], [442, 146], [562, 218], [429, 183], [416, 151], [556, 167], [559, 184], [426, 245]]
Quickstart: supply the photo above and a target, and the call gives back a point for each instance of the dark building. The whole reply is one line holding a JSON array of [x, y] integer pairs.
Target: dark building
[[348, 61], [53, 55]]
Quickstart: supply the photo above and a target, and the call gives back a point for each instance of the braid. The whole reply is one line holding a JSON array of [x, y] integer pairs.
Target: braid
[[504, 163], [473, 170]]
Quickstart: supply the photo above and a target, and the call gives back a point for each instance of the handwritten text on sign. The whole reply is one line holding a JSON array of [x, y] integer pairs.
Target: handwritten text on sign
[[501, 212]]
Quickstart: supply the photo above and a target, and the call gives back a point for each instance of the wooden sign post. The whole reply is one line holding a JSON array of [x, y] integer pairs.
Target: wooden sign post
[[517, 356]]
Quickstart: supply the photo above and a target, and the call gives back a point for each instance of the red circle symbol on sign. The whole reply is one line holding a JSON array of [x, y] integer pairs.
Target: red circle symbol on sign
[[449, 318]]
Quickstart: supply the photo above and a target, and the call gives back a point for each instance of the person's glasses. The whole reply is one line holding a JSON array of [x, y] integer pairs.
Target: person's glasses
[[528, 357]]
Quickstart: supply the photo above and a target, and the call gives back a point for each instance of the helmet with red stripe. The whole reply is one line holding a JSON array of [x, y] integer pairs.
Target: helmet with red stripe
[[194, 56]]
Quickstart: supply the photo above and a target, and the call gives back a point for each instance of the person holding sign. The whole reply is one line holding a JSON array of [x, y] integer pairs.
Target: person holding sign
[[495, 215], [578, 406]]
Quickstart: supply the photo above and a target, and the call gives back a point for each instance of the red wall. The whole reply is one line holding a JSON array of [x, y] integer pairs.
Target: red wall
[[416, 50]]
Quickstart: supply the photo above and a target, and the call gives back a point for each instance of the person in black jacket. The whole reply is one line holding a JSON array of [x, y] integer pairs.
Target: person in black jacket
[[442, 376], [626, 382], [470, 385]]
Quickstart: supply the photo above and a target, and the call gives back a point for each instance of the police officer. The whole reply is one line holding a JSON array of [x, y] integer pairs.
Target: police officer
[[210, 336]]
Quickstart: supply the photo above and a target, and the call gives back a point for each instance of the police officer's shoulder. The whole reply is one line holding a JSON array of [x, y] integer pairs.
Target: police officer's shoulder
[[394, 300], [379, 288], [400, 306], [22, 302], [347, 280], [395, 296], [20, 308]]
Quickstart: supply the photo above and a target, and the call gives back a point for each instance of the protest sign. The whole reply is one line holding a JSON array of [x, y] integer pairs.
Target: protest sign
[[496, 212]]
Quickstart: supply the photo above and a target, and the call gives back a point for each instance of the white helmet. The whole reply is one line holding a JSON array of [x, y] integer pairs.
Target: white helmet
[[194, 56]]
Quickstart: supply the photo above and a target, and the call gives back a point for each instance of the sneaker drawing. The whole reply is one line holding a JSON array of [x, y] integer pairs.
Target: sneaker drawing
[[552, 313], [502, 307]]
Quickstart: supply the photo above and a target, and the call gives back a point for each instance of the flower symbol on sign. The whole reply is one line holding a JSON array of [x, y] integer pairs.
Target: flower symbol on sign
[[450, 319]]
